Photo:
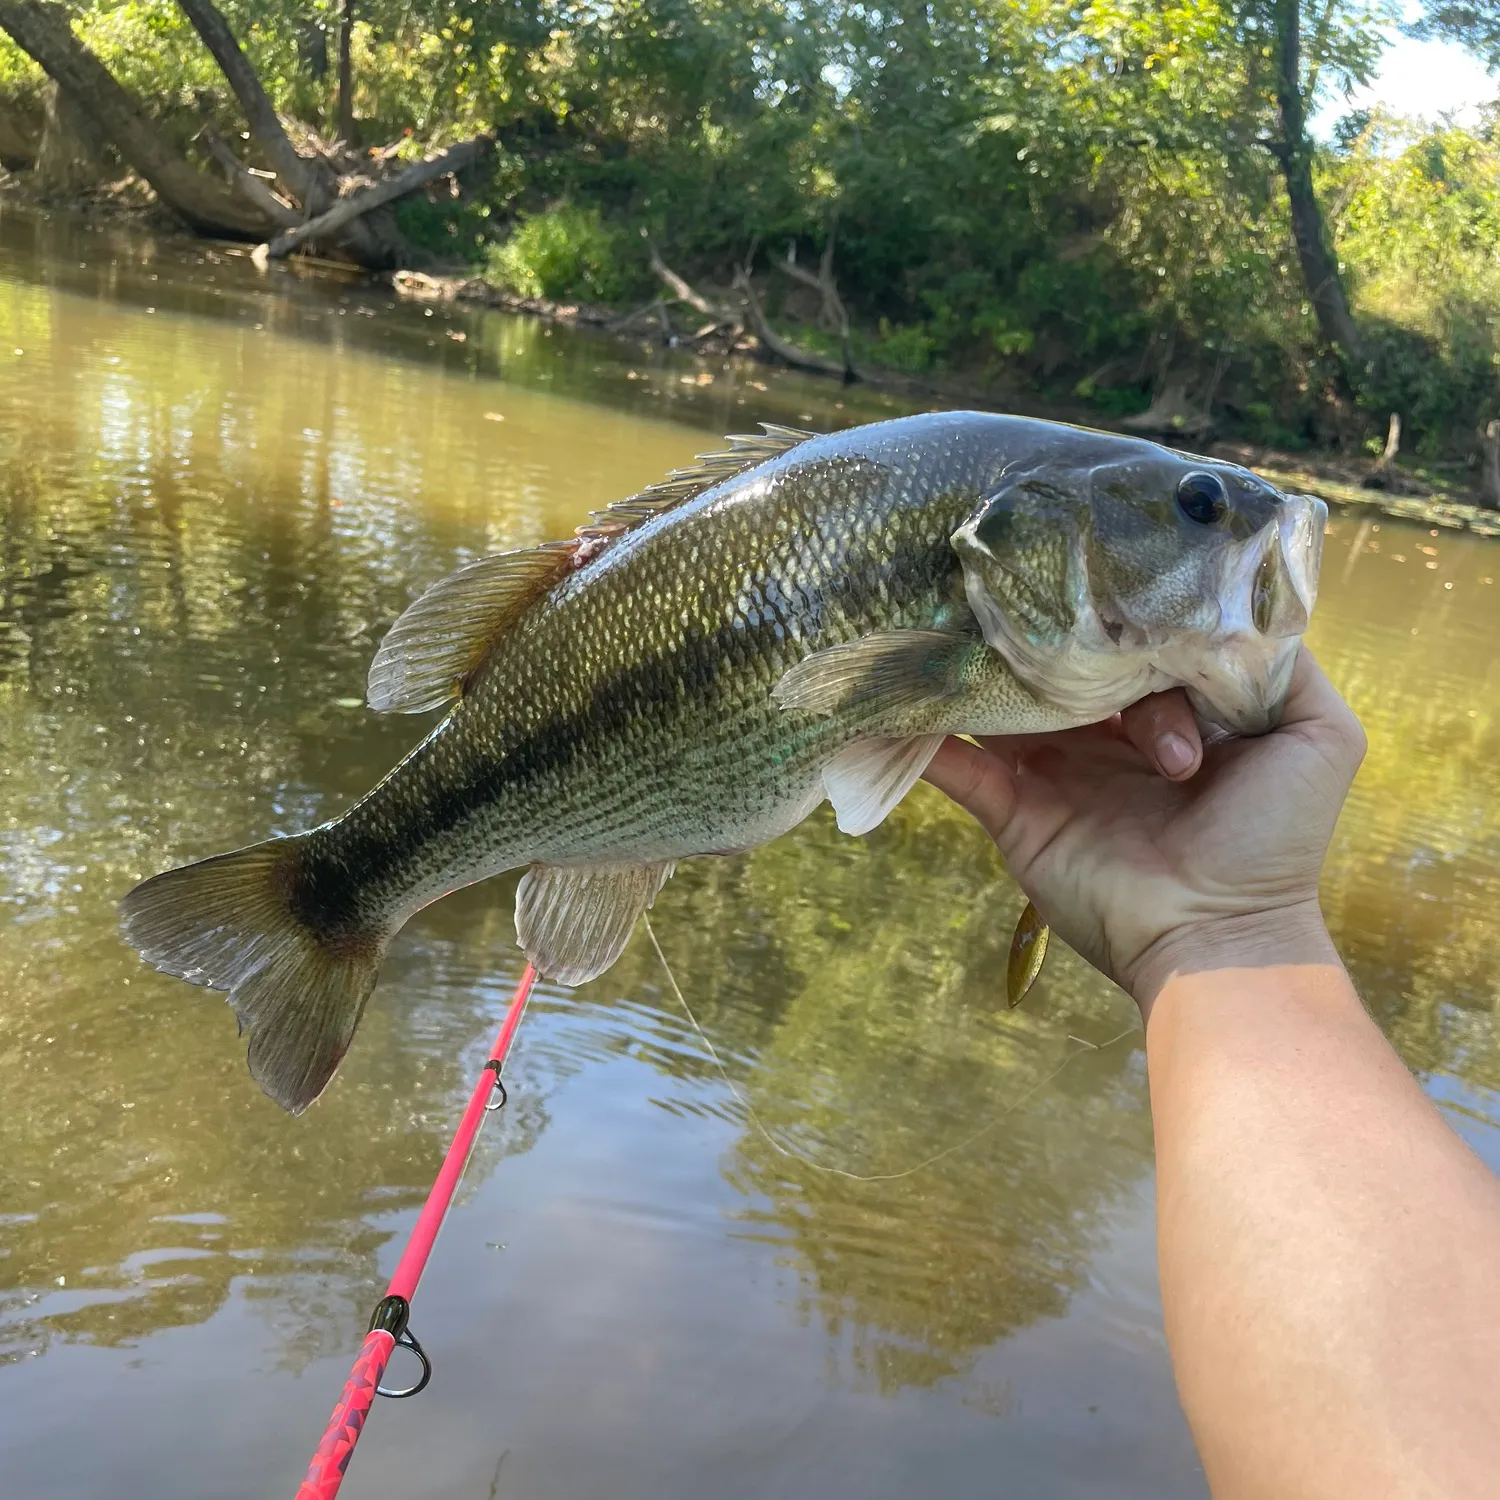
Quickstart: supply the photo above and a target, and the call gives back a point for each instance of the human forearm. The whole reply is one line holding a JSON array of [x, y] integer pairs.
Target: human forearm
[[1329, 1248]]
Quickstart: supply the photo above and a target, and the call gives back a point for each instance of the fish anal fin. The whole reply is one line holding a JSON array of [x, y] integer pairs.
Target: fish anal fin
[[443, 638], [865, 780], [886, 671], [573, 921]]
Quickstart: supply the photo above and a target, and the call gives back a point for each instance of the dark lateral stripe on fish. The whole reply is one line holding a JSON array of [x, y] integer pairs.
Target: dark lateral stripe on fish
[[327, 891]]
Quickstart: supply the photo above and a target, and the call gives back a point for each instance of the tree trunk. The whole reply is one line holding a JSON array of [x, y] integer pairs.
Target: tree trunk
[[313, 180], [831, 311], [682, 291], [346, 74], [20, 135], [211, 207], [1293, 150], [1489, 479], [1383, 476], [71, 158], [296, 172], [312, 49]]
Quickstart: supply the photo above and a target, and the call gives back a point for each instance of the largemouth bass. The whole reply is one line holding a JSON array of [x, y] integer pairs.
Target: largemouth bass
[[794, 619]]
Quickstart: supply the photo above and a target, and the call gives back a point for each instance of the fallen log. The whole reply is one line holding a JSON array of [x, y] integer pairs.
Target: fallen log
[[647, 310], [356, 204], [681, 290], [790, 354], [256, 189]]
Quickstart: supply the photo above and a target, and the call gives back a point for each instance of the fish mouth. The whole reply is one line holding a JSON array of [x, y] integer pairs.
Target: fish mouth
[[1240, 687]]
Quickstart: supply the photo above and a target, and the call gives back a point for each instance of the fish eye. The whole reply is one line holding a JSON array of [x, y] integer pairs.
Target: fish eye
[[1201, 498]]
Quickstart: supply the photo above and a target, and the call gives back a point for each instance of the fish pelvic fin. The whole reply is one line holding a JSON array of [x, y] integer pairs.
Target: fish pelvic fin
[[433, 651], [231, 923], [866, 780], [573, 922]]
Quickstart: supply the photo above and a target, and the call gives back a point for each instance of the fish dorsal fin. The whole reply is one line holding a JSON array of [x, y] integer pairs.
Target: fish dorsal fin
[[435, 648], [746, 451], [573, 923], [443, 638]]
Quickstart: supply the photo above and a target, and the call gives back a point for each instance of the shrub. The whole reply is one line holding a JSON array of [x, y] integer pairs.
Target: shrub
[[566, 251], [910, 347]]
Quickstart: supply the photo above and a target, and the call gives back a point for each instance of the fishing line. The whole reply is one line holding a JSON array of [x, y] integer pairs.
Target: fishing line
[[794, 1154]]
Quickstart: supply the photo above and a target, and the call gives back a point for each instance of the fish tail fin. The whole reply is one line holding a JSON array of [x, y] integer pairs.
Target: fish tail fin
[[232, 923]]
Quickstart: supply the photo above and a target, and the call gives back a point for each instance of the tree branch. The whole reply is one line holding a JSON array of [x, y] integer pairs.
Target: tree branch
[[788, 353], [350, 208], [254, 188], [680, 289]]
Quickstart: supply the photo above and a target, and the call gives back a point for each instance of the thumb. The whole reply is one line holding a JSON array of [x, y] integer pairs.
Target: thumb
[[978, 780]]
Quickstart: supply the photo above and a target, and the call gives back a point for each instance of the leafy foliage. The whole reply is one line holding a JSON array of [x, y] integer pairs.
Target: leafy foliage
[[564, 251], [1072, 199]]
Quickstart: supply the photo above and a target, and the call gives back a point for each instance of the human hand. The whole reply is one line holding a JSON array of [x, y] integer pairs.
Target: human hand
[[1151, 854]]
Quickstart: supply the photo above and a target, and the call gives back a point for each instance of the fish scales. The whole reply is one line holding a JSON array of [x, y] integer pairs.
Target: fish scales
[[647, 660], [706, 663]]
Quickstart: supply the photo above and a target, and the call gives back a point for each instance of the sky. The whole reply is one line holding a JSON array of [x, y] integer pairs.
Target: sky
[[1419, 78]]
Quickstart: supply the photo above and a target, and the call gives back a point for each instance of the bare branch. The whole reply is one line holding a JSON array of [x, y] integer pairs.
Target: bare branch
[[680, 288], [256, 189], [788, 353], [350, 208]]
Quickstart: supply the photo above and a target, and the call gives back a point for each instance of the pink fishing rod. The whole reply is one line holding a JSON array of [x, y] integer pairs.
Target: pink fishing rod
[[388, 1326]]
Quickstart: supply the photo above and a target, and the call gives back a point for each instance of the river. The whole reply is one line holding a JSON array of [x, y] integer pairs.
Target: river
[[216, 492]]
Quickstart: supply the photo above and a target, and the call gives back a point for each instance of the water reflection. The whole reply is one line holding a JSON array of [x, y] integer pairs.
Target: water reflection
[[208, 521]]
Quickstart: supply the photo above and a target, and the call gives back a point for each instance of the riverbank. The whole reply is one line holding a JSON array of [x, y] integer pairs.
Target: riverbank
[[1433, 497], [819, 400]]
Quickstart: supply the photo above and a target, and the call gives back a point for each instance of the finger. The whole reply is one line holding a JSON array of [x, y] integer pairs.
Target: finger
[[980, 782], [1163, 729]]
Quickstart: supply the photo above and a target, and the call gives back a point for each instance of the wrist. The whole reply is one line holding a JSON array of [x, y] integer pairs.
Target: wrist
[[1291, 934]]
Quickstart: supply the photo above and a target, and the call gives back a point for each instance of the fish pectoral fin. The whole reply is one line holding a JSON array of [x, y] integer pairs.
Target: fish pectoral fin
[[443, 638], [574, 921], [864, 781], [885, 671]]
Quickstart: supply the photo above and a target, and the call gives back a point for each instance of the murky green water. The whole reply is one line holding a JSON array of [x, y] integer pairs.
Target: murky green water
[[214, 497]]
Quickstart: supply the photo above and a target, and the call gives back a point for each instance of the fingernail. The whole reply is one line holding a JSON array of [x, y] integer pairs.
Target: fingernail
[[1173, 754]]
